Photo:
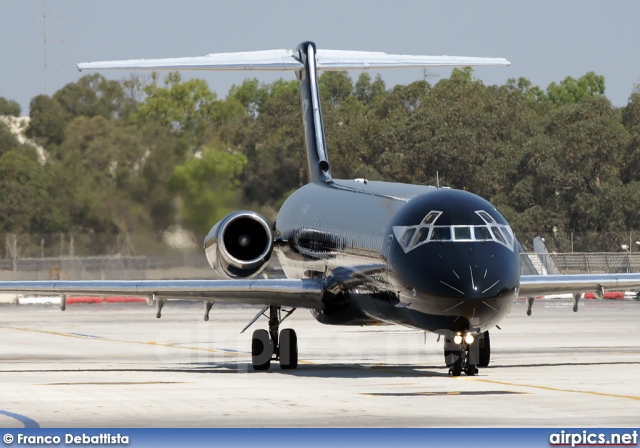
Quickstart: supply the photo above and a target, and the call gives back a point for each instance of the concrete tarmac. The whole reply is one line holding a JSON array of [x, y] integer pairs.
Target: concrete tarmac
[[116, 365]]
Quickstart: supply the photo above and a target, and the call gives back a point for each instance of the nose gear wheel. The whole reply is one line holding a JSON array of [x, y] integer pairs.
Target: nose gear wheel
[[462, 357]]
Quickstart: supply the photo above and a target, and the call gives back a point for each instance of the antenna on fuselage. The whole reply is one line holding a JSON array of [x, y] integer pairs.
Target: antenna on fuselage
[[437, 180]]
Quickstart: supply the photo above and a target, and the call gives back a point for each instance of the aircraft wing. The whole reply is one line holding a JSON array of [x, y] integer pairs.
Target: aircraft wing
[[330, 60], [538, 285], [305, 293]]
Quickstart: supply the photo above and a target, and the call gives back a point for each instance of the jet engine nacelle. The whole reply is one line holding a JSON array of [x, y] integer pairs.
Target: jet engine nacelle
[[240, 245]]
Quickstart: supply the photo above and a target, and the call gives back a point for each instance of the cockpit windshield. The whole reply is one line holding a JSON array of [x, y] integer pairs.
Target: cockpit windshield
[[428, 231]]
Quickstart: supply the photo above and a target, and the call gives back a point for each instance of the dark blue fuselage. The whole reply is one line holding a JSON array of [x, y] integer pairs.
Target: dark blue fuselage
[[436, 259]]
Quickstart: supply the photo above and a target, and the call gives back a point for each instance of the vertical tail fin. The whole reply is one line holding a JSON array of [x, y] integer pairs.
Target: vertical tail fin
[[318, 163]]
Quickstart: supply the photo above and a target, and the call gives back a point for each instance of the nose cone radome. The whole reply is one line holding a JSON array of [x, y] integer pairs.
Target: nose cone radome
[[451, 243]]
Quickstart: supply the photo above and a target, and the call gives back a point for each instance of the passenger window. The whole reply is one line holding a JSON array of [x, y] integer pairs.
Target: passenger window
[[408, 235], [423, 234], [462, 233], [441, 234], [482, 233]]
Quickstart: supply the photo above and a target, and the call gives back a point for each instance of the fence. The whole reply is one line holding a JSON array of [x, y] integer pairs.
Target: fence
[[195, 266], [114, 257], [585, 242], [185, 266], [581, 263], [97, 244]]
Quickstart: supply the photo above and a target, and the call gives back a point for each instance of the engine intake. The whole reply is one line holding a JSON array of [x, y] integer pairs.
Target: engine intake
[[240, 245]]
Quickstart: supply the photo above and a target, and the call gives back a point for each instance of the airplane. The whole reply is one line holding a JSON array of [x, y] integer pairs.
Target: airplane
[[354, 252]]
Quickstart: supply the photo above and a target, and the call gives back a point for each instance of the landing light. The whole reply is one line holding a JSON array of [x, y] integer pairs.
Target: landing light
[[468, 338], [457, 339]]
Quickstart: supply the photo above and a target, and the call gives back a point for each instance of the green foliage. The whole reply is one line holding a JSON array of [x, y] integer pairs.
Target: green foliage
[[275, 151], [251, 94], [571, 91], [464, 74], [207, 187], [366, 91], [527, 90], [9, 107], [27, 204], [143, 155], [97, 160], [631, 114], [335, 87], [90, 96], [8, 141], [48, 121], [188, 107]]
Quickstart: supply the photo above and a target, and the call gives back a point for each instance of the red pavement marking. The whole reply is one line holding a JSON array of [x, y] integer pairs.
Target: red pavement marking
[[124, 299], [73, 300]]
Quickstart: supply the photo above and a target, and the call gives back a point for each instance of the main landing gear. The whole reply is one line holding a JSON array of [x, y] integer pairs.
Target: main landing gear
[[274, 344], [465, 353]]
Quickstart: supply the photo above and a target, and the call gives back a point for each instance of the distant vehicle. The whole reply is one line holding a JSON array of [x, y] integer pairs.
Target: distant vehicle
[[355, 252]]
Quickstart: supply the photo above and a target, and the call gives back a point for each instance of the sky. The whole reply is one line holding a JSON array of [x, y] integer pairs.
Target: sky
[[546, 40]]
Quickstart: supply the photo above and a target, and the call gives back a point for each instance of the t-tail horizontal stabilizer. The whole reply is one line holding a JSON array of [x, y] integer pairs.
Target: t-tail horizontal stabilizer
[[305, 60], [328, 60]]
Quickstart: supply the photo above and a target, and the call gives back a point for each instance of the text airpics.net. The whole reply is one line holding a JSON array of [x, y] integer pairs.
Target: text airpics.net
[[588, 438]]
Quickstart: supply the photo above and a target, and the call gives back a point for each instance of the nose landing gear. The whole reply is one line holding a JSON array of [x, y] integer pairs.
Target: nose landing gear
[[463, 354]]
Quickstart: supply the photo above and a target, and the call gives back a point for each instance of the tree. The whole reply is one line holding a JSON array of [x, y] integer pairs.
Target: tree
[[207, 187], [575, 169], [48, 120], [631, 114], [101, 161], [335, 87], [571, 91], [90, 96], [275, 150], [527, 89], [9, 107], [366, 90], [452, 129], [159, 160], [552, 162], [251, 94], [8, 141], [631, 121], [591, 140], [27, 196], [463, 75], [353, 132], [189, 108]]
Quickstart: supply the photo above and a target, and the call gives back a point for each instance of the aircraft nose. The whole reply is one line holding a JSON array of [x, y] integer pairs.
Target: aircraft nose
[[461, 270], [452, 243], [470, 272]]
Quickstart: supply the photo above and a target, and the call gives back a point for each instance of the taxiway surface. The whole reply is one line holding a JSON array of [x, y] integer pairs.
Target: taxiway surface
[[109, 365]]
